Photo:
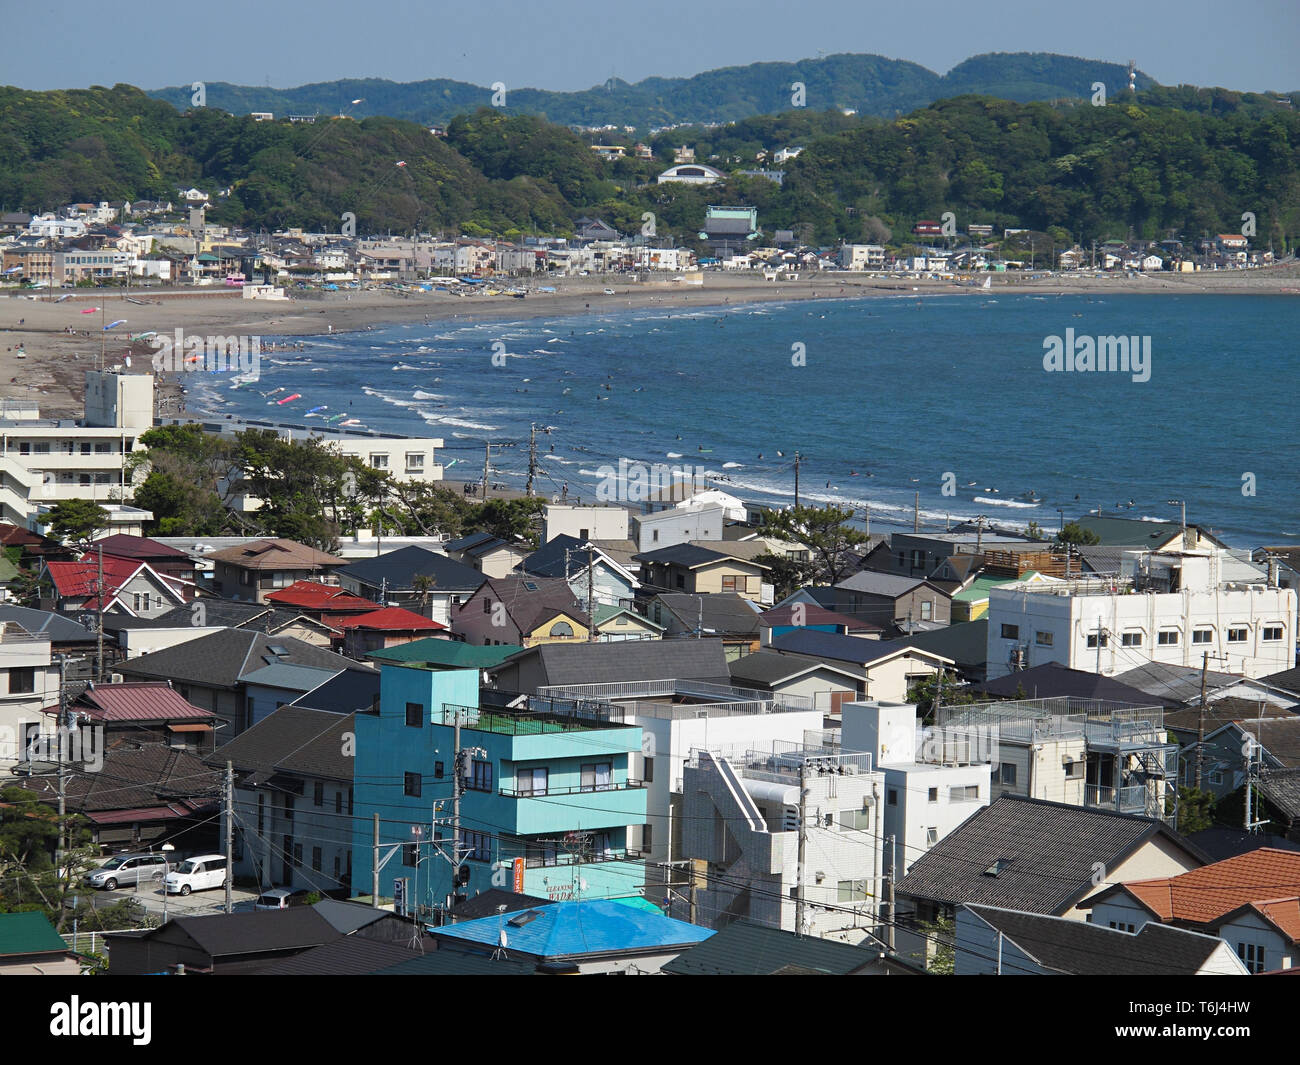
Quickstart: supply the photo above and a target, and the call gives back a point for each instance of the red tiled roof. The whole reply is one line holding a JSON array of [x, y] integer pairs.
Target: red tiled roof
[[1203, 895], [137, 547], [81, 578], [143, 701], [1284, 913], [391, 619], [312, 595]]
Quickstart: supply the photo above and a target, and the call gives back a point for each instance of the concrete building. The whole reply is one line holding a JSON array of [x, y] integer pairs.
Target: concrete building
[[1169, 606], [584, 522], [862, 257], [30, 683]]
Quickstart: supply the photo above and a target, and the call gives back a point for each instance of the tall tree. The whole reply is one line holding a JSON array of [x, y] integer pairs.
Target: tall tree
[[825, 531]]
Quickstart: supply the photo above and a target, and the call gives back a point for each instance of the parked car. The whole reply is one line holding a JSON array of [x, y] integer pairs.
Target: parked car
[[128, 869], [197, 874], [281, 899]]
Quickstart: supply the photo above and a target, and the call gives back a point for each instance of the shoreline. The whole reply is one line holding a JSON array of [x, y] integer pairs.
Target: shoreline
[[43, 363]]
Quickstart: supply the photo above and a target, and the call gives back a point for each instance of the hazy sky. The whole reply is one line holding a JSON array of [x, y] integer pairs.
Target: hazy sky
[[1250, 45]]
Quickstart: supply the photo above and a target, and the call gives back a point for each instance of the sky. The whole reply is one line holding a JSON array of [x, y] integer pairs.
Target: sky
[[566, 45]]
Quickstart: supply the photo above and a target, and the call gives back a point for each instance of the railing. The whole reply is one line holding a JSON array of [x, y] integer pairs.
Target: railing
[[582, 789], [520, 722]]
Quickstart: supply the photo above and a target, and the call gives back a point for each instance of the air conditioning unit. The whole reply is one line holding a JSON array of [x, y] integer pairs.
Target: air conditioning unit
[[115, 678]]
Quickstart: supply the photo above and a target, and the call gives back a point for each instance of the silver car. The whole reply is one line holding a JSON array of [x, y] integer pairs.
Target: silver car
[[128, 869]]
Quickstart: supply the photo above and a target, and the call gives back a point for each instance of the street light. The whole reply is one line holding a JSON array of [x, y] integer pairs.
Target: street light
[[167, 849]]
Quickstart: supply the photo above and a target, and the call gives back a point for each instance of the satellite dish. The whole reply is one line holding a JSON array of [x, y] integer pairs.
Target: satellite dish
[[503, 940], [127, 360]]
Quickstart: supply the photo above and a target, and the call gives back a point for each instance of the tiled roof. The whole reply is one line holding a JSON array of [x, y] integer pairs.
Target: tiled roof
[[628, 660], [225, 934], [531, 600], [138, 547], [312, 595], [1052, 679], [831, 646], [391, 619], [151, 776], [139, 701], [348, 956], [292, 739], [1078, 948], [1220, 712], [888, 585], [400, 568], [1281, 787], [577, 929], [59, 629], [221, 658], [1046, 852], [1280, 737], [275, 554], [79, 579], [716, 613], [692, 556], [966, 643], [744, 948], [1182, 683], [1203, 895], [766, 667]]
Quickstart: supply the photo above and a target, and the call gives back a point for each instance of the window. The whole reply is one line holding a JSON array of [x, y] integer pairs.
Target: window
[[1167, 638], [856, 819], [918, 559], [349, 806], [288, 808], [438, 770], [934, 795], [478, 846], [1095, 640], [541, 853], [561, 628], [1043, 639], [379, 461], [1253, 955], [965, 793], [411, 785], [414, 460], [315, 859], [318, 794], [728, 583], [338, 802], [487, 605], [647, 837], [1130, 639], [1008, 772], [648, 771], [1073, 769], [1010, 632], [927, 610], [1202, 636], [532, 781], [931, 836], [892, 797], [850, 891], [1238, 635], [414, 715], [1119, 926], [597, 776], [410, 855], [481, 776], [1272, 633], [22, 680], [1216, 776], [297, 855]]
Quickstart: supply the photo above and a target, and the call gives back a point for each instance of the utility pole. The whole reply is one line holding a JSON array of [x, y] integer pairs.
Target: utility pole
[[889, 894], [487, 468], [230, 835], [867, 512], [799, 905], [532, 456], [916, 512], [63, 772], [591, 596], [1200, 727], [374, 868], [1099, 635], [796, 478], [99, 598], [979, 534]]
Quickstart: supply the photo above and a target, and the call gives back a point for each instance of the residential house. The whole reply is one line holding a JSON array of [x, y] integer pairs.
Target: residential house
[[548, 790], [729, 616], [889, 667], [251, 571], [745, 948], [141, 636], [698, 570], [29, 946], [128, 587], [488, 554], [133, 714], [1251, 902], [521, 610], [411, 577], [890, 601], [293, 799], [801, 615], [272, 686], [678, 525], [829, 685], [964, 644], [993, 941], [560, 665], [30, 682], [164, 560], [593, 575], [1214, 745], [607, 522], [389, 626]]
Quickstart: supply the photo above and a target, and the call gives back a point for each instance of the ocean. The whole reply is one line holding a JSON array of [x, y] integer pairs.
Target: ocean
[[883, 397]]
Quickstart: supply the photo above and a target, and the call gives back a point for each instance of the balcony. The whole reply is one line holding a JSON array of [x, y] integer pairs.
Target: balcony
[[540, 793]]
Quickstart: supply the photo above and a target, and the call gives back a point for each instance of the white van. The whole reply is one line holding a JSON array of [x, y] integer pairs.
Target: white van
[[196, 874]]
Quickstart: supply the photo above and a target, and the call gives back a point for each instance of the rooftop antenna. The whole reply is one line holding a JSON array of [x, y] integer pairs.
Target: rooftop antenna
[[1132, 76]]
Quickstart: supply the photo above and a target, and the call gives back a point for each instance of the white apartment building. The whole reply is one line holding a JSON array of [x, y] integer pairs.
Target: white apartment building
[[862, 256], [746, 816], [932, 783], [583, 522], [45, 462], [1168, 606], [29, 682]]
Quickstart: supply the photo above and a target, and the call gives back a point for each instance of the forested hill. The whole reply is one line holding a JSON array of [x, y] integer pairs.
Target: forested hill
[[868, 84]]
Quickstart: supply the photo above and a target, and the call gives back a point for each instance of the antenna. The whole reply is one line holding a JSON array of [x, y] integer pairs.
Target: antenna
[[1132, 76]]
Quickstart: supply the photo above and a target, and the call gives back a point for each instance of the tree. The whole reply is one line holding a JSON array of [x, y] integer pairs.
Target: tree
[[1195, 809], [940, 946], [823, 530], [787, 574], [76, 519], [509, 519], [1074, 533], [924, 691]]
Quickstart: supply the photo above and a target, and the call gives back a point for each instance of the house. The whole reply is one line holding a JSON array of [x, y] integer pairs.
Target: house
[[30, 682], [293, 799], [745, 948], [799, 615], [1146, 535], [521, 610], [588, 936], [411, 577], [993, 941], [691, 174], [1251, 902], [591, 573], [1214, 747], [548, 787], [741, 815], [1053, 680], [327, 603], [889, 667], [555, 664], [250, 571], [606, 522], [141, 636], [148, 712], [210, 671], [678, 525], [931, 784], [272, 686], [620, 623], [136, 796], [945, 556], [727, 615], [29, 946], [964, 644], [128, 587], [698, 570], [488, 554], [162, 559], [1169, 606], [1036, 856], [1162, 682], [887, 600], [828, 685], [440, 653], [387, 627]]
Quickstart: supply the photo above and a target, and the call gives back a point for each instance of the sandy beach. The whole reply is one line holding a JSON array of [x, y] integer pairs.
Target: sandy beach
[[42, 363]]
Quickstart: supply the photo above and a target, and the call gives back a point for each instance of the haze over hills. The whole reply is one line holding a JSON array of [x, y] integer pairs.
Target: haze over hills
[[868, 84]]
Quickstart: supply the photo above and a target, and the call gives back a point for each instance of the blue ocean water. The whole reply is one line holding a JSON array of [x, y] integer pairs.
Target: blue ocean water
[[886, 396]]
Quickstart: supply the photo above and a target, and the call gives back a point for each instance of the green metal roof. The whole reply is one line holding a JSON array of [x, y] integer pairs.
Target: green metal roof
[[450, 653], [979, 587], [28, 933]]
